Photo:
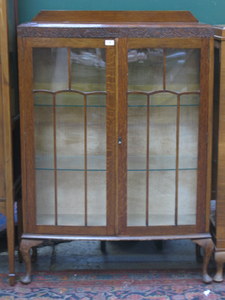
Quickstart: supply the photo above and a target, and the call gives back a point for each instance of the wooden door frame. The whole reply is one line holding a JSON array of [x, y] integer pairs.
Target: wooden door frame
[[205, 137], [27, 134]]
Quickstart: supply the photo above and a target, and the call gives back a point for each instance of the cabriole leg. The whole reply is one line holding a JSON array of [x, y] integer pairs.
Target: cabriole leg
[[208, 246], [220, 260], [25, 246]]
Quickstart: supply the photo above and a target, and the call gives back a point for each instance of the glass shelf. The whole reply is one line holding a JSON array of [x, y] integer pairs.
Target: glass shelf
[[172, 105], [59, 105], [160, 170], [71, 170]]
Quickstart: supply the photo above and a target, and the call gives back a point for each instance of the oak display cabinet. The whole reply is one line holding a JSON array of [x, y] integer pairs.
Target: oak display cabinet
[[116, 127]]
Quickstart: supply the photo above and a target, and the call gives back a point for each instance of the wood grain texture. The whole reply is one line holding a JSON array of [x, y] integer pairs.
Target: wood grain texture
[[6, 134], [204, 135], [2, 165], [210, 131], [114, 16], [219, 230], [114, 31], [111, 139], [121, 103]]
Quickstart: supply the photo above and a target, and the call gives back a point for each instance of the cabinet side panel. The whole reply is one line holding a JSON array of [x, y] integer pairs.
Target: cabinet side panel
[[220, 201], [2, 170], [204, 161], [25, 83]]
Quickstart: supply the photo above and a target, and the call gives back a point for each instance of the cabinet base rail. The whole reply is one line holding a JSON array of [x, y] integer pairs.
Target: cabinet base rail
[[29, 242], [115, 238]]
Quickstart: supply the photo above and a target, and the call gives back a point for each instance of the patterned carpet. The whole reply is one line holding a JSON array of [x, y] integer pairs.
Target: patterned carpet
[[112, 285]]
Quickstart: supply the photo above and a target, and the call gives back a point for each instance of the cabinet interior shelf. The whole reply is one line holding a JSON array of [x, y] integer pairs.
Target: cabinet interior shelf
[[103, 170], [166, 105]]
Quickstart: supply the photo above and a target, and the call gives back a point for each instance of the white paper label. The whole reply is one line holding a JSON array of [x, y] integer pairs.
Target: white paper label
[[109, 42]]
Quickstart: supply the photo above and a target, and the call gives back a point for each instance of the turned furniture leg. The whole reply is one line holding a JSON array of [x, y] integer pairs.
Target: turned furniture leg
[[220, 260], [25, 247], [208, 246]]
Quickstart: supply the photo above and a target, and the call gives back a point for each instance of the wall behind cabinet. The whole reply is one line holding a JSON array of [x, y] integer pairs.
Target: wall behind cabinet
[[206, 11]]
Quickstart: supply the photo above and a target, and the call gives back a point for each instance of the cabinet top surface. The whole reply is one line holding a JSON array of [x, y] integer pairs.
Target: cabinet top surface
[[114, 24], [114, 16]]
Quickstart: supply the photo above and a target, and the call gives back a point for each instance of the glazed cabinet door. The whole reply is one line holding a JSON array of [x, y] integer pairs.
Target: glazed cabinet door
[[165, 151], [68, 129]]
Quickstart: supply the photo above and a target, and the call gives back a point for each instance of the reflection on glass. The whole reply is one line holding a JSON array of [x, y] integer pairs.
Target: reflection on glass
[[70, 192], [183, 69], [136, 203], [96, 198], [88, 68], [145, 69], [162, 147], [45, 198], [162, 198], [44, 137], [187, 195], [50, 68], [70, 137]]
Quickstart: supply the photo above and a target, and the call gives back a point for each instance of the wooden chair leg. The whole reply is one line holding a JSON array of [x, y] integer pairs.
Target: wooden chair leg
[[25, 247], [208, 246]]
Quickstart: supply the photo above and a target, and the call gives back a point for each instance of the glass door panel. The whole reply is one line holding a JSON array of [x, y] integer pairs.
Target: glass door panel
[[162, 193], [145, 69], [187, 192], [69, 129], [163, 124], [70, 136], [96, 195], [45, 198], [136, 195], [44, 131], [182, 69], [70, 205], [96, 137], [88, 69], [50, 69], [188, 132], [162, 132]]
